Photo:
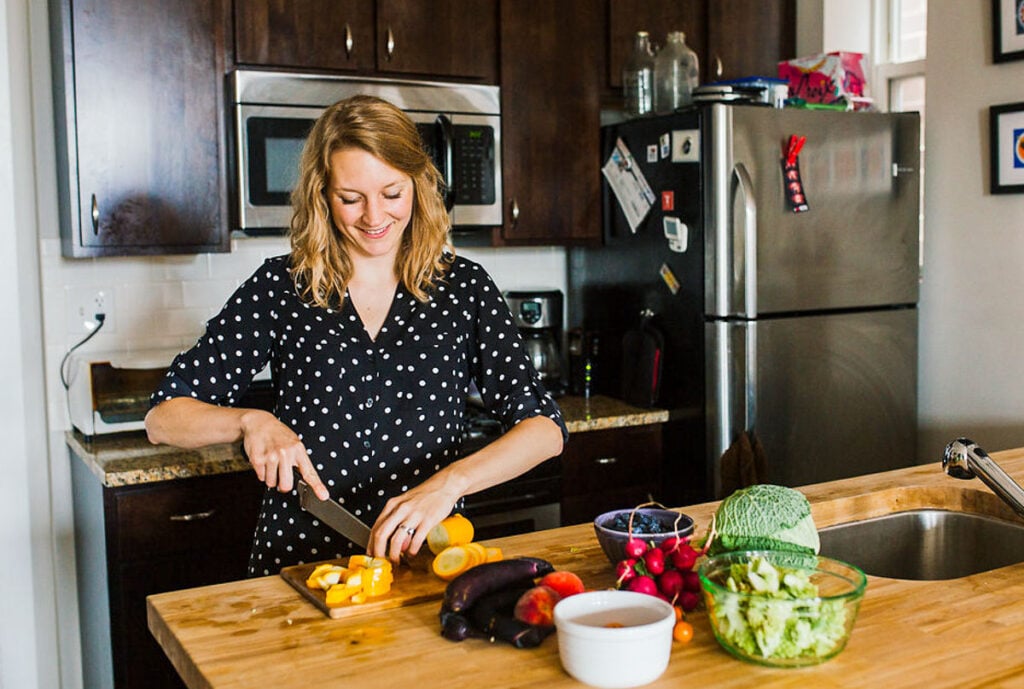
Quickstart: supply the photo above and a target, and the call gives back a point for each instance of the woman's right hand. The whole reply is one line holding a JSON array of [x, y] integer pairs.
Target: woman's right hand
[[276, 452]]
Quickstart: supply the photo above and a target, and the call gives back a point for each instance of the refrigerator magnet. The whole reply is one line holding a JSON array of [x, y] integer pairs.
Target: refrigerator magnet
[[665, 145], [669, 278], [629, 185], [676, 232], [652, 153], [793, 186]]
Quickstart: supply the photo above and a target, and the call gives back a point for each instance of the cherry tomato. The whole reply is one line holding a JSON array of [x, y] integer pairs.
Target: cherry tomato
[[682, 632]]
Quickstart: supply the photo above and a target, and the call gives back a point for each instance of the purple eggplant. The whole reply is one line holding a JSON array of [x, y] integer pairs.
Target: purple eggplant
[[464, 590]]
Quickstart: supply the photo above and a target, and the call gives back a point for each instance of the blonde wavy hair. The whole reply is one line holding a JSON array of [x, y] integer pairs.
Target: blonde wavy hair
[[320, 262]]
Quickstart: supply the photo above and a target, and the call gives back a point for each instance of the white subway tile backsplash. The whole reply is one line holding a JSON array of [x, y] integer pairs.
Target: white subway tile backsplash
[[208, 295], [184, 268]]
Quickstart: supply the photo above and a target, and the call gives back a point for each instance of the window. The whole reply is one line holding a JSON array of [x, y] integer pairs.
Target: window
[[900, 49]]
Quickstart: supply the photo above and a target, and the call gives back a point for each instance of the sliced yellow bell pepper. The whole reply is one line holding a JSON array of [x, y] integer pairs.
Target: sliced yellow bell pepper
[[364, 577]]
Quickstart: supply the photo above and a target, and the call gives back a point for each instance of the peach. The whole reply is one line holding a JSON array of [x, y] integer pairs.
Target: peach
[[537, 606], [564, 583]]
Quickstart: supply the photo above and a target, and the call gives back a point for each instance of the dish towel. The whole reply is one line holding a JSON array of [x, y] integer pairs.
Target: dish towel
[[743, 464]]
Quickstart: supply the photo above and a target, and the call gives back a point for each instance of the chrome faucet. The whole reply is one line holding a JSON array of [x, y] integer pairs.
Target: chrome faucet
[[964, 459]]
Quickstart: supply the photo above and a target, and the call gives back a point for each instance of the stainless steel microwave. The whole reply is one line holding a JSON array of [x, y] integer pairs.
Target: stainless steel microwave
[[273, 112]]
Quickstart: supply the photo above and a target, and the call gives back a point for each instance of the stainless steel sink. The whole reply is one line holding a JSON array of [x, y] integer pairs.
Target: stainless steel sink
[[926, 544]]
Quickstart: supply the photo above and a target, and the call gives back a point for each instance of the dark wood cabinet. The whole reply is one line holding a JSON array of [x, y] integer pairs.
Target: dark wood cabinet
[[306, 34], [749, 37], [610, 469], [140, 125], [551, 69], [732, 38], [658, 18], [430, 38], [147, 539]]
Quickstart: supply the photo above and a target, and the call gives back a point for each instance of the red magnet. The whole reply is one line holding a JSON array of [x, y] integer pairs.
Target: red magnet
[[796, 143], [668, 200]]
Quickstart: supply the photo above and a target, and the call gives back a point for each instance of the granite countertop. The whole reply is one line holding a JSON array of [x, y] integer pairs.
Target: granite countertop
[[128, 458]]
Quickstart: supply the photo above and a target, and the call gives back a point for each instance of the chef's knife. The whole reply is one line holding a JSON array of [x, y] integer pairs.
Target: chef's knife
[[349, 525], [334, 515]]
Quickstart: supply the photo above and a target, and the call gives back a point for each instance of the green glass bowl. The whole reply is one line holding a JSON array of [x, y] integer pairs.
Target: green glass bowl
[[783, 632]]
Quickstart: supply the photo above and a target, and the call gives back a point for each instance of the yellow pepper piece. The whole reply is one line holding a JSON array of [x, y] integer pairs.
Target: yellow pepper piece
[[315, 579], [340, 594], [369, 562], [378, 581]]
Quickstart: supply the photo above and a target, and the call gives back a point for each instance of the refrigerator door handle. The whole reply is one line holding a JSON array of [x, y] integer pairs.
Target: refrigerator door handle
[[732, 389], [745, 242]]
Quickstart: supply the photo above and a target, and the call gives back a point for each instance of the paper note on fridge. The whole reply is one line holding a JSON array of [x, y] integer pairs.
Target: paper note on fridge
[[628, 184]]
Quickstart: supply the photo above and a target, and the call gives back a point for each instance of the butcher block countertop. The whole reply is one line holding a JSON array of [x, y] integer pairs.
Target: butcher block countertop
[[126, 459], [966, 632]]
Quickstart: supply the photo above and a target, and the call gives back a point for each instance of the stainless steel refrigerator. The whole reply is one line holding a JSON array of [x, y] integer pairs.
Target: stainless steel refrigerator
[[786, 315]]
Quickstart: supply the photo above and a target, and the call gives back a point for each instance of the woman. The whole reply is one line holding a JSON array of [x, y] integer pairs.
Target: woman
[[374, 331]]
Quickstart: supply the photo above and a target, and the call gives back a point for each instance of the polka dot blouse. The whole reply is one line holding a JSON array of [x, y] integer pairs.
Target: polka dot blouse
[[377, 417]]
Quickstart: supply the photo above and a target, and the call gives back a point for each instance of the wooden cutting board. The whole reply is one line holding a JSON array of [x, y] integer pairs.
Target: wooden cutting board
[[410, 587]]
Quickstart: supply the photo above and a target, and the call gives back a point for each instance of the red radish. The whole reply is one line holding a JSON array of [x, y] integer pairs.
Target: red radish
[[691, 581], [654, 559], [635, 547], [671, 544], [671, 583], [688, 601], [643, 584], [684, 558], [625, 570]]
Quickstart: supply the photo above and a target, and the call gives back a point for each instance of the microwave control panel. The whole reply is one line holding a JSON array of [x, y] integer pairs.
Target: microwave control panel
[[474, 163]]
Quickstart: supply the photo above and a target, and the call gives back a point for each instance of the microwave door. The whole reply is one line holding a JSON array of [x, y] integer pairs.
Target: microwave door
[[271, 139], [436, 132]]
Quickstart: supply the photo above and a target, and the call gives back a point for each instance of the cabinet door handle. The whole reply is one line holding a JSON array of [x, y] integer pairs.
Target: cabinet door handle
[[390, 44], [718, 67], [192, 517], [514, 211], [348, 41], [606, 461], [95, 215]]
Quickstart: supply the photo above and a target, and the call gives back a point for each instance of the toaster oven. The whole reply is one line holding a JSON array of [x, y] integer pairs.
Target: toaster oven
[[108, 392]]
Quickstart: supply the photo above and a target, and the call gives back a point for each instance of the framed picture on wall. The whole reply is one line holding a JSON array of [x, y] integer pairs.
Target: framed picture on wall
[[1007, 30], [1006, 141]]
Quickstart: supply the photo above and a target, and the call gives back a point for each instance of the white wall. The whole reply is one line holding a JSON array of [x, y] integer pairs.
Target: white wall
[[28, 620], [972, 298]]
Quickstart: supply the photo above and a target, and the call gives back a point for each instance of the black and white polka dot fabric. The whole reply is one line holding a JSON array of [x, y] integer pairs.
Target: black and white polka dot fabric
[[376, 417]]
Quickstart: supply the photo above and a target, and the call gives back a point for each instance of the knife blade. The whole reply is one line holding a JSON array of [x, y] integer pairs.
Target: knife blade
[[334, 515]]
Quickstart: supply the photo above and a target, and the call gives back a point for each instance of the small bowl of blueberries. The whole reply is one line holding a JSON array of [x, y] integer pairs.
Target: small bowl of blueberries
[[651, 524]]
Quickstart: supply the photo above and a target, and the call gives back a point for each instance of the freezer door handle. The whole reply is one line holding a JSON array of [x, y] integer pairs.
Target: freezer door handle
[[744, 259]]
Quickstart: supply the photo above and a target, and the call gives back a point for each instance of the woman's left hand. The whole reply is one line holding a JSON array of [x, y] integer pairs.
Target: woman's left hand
[[407, 518]]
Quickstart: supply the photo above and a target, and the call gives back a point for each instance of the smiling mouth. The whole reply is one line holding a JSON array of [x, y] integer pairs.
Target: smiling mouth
[[377, 232]]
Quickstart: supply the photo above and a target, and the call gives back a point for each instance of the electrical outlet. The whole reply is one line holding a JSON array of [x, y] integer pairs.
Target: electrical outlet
[[84, 304]]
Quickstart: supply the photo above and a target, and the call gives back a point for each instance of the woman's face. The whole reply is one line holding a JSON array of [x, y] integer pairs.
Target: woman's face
[[371, 202]]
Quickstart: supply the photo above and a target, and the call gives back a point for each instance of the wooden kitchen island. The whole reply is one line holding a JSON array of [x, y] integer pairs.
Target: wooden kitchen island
[[966, 632]]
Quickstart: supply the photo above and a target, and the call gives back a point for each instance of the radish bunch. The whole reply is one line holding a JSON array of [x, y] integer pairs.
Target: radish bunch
[[664, 570]]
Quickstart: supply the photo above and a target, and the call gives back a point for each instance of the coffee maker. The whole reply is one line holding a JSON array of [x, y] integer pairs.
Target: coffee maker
[[538, 315]]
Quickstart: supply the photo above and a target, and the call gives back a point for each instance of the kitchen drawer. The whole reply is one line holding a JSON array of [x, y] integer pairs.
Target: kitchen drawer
[[171, 517], [605, 460]]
